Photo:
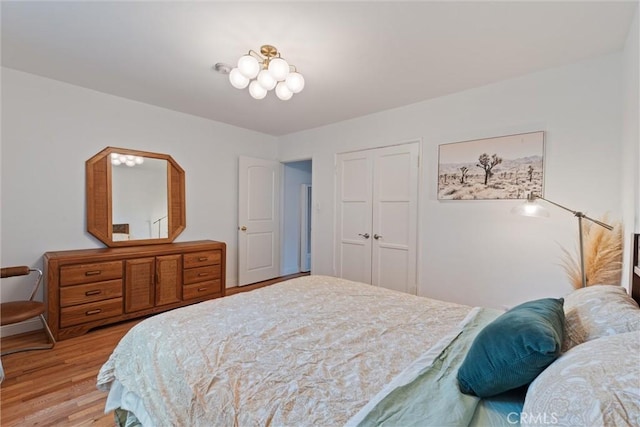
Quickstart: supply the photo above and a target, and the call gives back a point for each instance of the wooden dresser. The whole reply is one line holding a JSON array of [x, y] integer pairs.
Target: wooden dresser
[[95, 287]]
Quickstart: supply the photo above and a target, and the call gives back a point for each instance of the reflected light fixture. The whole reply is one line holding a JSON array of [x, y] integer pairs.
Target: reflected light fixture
[[532, 208], [126, 159], [263, 72]]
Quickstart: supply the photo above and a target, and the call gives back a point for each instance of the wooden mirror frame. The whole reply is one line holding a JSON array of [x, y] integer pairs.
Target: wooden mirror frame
[[99, 203]]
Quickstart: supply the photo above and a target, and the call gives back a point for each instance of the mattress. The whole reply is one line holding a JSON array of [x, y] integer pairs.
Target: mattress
[[315, 350]]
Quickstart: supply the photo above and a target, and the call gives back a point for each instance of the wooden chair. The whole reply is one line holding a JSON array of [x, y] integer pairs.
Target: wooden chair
[[19, 311]]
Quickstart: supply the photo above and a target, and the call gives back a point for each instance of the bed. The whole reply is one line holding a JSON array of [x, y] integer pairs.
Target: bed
[[324, 351]]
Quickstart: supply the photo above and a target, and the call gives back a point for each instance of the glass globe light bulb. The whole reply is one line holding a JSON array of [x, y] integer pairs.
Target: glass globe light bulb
[[266, 80], [115, 155], [248, 66], [279, 68], [116, 162], [237, 79], [122, 158], [295, 82], [283, 92], [130, 163], [256, 90], [139, 160]]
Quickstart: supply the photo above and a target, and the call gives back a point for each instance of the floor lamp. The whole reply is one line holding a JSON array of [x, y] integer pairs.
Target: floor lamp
[[531, 208]]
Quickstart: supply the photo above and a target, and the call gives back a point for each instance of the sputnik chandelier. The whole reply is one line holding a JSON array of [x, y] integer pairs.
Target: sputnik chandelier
[[265, 71]]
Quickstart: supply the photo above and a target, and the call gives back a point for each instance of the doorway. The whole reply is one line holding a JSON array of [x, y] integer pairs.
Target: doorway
[[296, 217]]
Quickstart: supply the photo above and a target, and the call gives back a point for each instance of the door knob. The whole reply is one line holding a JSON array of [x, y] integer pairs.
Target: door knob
[[377, 236], [365, 235], [243, 228]]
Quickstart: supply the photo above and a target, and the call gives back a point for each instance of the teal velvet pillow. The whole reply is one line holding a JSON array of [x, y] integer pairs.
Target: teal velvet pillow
[[513, 349]]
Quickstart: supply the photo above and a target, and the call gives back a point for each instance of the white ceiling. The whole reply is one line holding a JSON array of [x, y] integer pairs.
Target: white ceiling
[[357, 57]]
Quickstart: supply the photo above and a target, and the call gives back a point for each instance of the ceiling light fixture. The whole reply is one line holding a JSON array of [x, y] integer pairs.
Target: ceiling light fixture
[[265, 71]]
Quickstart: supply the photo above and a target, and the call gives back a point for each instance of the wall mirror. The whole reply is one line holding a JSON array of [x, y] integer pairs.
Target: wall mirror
[[134, 197]]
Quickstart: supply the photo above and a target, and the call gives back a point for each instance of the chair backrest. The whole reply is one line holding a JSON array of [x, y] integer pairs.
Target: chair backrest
[[22, 270]]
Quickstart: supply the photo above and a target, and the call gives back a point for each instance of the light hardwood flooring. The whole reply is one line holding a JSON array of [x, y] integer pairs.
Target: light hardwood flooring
[[57, 387]]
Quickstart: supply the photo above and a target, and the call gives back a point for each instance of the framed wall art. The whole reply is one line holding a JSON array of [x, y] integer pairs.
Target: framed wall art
[[502, 167]]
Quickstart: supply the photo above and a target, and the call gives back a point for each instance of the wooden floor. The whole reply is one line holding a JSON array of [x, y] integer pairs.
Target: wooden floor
[[238, 289], [58, 387]]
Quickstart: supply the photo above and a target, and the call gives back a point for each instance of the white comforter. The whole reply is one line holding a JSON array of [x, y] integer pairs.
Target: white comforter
[[310, 351]]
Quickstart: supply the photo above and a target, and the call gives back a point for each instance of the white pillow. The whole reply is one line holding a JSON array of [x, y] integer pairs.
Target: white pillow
[[593, 384], [598, 311]]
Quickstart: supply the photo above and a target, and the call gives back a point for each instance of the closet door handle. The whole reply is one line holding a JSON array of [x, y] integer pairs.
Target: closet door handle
[[377, 236], [365, 235]]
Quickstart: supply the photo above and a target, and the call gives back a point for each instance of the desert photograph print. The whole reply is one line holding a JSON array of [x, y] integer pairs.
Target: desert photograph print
[[503, 167]]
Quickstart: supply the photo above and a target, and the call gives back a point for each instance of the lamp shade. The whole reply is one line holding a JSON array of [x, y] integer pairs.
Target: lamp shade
[[237, 79], [530, 208], [266, 80], [283, 92], [248, 66], [279, 69], [256, 90], [295, 82]]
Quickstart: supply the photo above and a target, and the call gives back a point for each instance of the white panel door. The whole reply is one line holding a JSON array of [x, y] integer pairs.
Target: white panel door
[[258, 220], [353, 225], [395, 217], [377, 216]]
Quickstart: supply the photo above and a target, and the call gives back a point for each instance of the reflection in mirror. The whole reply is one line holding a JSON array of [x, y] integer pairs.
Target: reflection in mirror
[[139, 198], [134, 197]]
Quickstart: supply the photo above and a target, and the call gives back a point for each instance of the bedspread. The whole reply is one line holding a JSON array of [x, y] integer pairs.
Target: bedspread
[[309, 351], [427, 393]]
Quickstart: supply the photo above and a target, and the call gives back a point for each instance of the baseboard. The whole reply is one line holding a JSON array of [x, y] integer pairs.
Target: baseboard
[[20, 328]]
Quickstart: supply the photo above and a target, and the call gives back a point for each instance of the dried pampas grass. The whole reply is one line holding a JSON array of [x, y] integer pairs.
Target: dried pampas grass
[[602, 256]]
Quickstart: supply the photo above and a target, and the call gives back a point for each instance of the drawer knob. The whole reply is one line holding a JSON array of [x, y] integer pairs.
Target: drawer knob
[[202, 274], [202, 289], [90, 312], [203, 258], [93, 292], [93, 273]]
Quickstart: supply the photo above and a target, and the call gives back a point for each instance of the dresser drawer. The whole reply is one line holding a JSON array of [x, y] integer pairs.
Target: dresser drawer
[[200, 274], [199, 259], [82, 294], [78, 314], [88, 273], [202, 289]]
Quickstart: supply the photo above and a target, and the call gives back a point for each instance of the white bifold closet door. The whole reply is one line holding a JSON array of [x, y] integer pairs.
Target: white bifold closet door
[[377, 216]]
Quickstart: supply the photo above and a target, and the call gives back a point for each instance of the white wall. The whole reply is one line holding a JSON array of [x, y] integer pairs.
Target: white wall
[[631, 145], [49, 130], [295, 174], [471, 252], [476, 252]]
